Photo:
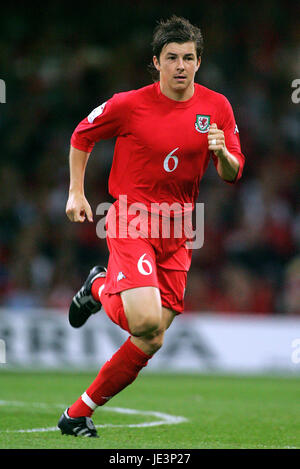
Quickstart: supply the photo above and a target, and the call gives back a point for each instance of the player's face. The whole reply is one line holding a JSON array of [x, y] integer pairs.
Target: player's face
[[177, 64]]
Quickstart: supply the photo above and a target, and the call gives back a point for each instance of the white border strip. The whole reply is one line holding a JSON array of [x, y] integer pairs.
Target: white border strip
[[164, 419]]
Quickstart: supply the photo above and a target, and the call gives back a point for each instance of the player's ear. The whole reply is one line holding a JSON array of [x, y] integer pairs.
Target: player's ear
[[198, 64], [156, 63]]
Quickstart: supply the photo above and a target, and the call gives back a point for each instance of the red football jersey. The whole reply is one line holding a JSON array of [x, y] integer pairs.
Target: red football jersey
[[161, 150]]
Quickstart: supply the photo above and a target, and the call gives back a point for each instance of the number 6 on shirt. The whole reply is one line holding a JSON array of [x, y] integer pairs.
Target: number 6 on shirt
[[168, 158]]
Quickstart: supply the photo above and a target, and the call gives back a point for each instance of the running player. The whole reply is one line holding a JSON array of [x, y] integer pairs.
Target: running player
[[166, 133]]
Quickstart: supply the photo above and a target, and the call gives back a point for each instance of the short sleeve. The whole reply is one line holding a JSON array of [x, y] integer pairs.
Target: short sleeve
[[106, 121]]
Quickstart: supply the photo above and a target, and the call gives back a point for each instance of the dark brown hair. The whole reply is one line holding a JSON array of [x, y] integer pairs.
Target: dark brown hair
[[175, 29]]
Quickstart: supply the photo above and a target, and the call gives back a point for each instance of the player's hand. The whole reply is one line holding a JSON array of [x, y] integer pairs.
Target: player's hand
[[216, 141], [78, 208]]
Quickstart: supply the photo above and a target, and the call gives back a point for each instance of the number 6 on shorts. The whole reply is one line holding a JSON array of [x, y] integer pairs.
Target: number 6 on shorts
[[142, 263]]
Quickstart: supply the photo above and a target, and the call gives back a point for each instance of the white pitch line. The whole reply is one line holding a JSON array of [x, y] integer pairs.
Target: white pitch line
[[165, 419]]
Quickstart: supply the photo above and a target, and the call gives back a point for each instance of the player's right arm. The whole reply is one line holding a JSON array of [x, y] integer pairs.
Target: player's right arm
[[105, 121], [78, 208]]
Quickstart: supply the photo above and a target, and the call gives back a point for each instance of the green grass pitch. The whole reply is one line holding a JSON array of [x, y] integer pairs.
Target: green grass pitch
[[220, 412]]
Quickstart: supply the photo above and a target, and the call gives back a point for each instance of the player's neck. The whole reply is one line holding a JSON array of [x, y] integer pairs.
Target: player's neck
[[177, 95]]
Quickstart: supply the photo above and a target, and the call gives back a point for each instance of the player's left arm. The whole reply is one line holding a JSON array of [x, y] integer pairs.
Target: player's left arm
[[227, 164], [224, 142]]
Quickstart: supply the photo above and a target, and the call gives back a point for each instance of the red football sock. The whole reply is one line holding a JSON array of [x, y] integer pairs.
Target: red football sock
[[97, 287], [117, 373]]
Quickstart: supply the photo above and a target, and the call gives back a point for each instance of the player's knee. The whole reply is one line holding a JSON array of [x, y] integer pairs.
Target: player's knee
[[155, 341], [152, 342], [146, 323], [143, 310]]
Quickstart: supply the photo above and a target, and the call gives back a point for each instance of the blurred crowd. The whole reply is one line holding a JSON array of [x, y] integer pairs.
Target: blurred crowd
[[58, 64]]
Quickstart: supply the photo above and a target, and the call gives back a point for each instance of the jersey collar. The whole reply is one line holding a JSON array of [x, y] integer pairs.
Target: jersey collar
[[172, 102]]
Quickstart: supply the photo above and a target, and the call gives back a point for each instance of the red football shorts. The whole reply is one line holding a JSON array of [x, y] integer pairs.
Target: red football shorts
[[142, 260]]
